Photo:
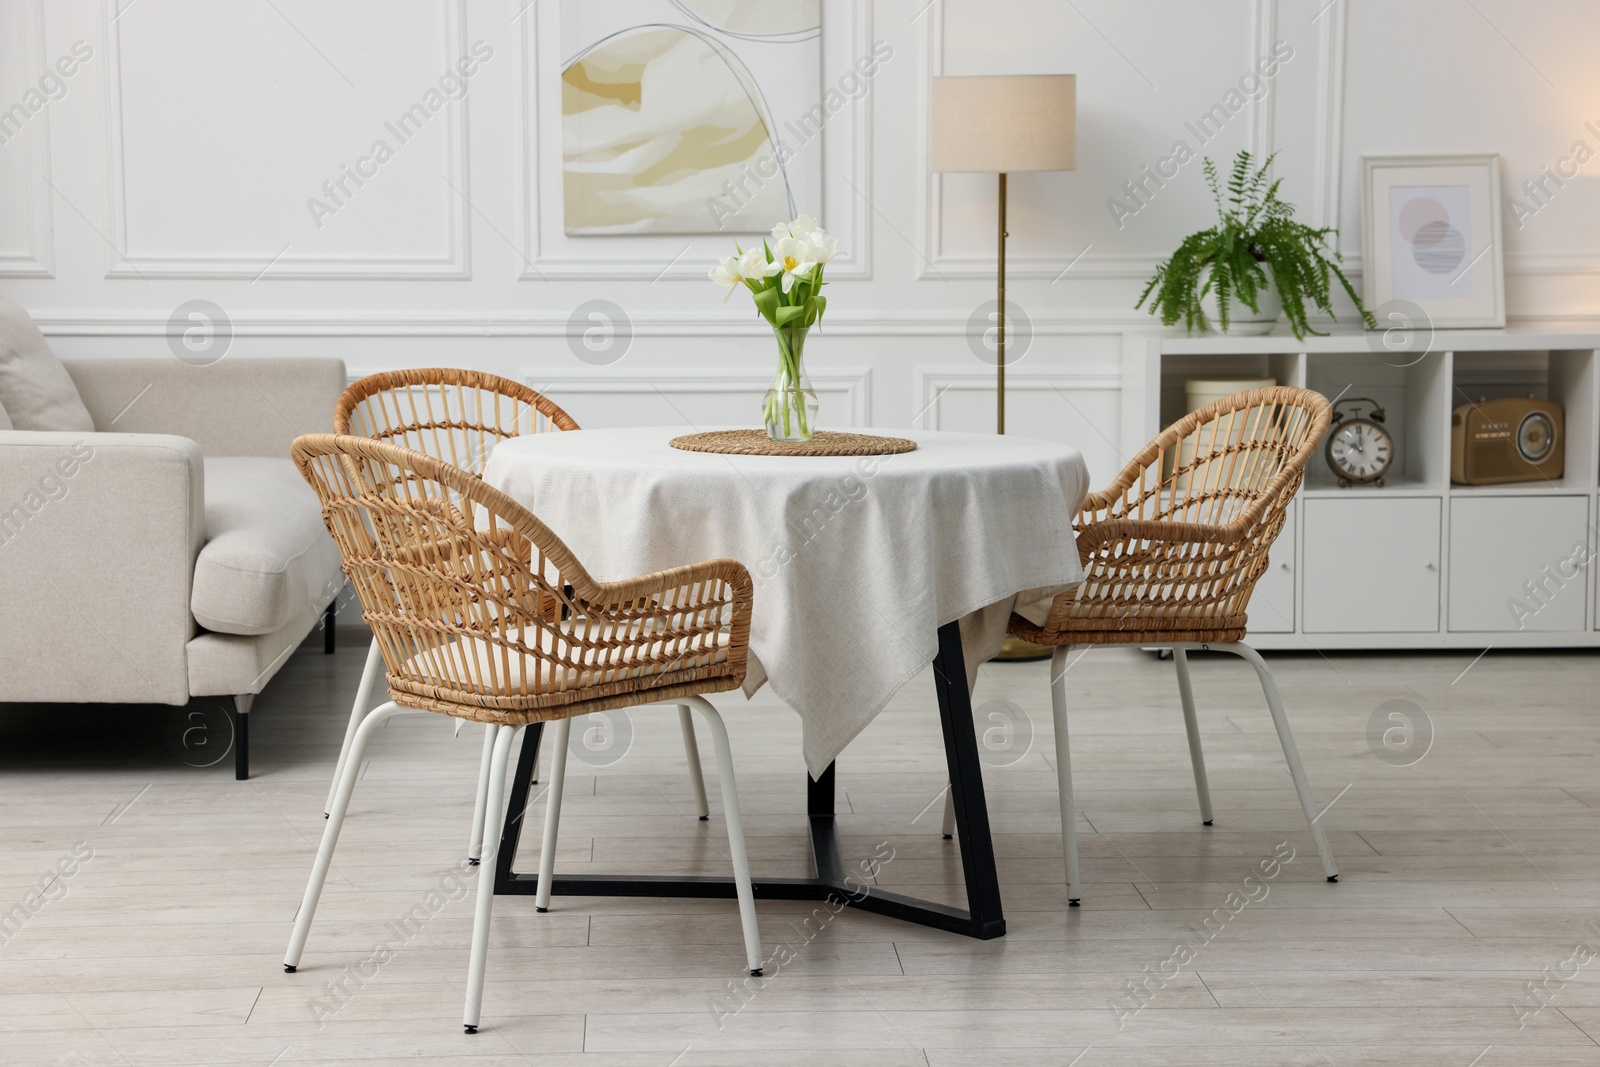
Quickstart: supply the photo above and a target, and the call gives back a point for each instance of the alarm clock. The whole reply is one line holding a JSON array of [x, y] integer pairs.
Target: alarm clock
[[1359, 450]]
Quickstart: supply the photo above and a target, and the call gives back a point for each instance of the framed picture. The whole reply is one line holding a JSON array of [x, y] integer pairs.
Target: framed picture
[[691, 116], [1431, 238]]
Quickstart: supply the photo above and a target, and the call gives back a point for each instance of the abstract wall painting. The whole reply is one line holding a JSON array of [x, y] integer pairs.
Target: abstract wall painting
[[668, 105]]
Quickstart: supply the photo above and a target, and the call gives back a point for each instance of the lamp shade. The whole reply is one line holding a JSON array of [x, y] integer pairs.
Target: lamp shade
[[1005, 123]]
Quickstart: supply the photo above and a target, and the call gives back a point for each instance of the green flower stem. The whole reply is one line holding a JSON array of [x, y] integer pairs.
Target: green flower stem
[[788, 396]]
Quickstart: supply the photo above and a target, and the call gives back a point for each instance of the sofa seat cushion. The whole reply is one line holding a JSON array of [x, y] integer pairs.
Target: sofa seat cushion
[[267, 555]]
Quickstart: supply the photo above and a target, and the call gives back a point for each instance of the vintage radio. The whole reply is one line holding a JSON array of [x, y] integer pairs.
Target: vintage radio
[[1518, 439]]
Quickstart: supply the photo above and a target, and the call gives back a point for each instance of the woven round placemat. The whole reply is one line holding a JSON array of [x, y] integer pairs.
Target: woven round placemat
[[822, 443]]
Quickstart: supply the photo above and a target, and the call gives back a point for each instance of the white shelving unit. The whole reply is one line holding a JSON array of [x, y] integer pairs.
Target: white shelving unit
[[1419, 563]]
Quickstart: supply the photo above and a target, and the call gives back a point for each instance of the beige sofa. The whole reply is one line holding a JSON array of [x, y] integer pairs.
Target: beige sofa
[[174, 552]]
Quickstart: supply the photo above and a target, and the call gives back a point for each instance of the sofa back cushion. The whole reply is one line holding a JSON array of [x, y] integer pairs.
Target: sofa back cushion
[[238, 406], [35, 388]]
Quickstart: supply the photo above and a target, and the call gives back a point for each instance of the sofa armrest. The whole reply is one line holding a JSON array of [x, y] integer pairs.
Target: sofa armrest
[[234, 407], [98, 537]]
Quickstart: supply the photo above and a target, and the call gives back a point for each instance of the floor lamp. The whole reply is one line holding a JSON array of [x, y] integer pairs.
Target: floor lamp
[[1001, 125]]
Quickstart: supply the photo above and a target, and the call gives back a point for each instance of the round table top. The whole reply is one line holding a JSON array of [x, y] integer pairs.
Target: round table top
[[856, 561], [648, 448]]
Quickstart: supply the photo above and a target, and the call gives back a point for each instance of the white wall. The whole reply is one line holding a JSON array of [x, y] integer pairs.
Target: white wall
[[177, 164]]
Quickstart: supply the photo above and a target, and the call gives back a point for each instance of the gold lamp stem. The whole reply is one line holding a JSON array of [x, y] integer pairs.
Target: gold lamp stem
[[1015, 648], [1000, 333]]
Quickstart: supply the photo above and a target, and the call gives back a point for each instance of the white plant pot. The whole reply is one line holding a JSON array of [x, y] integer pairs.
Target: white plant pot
[[1242, 322]]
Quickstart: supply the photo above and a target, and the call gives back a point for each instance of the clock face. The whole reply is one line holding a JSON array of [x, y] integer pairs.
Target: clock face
[[1360, 450]]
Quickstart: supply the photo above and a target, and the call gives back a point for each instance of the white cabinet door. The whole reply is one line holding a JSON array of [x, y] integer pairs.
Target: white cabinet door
[[1272, 604], [1518, 563], [1371, 565]]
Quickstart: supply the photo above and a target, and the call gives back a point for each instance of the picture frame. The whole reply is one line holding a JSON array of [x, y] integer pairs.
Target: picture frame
[[1431, 239], [690, 116]]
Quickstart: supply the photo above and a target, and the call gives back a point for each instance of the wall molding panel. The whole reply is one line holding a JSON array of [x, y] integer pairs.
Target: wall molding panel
[[34, 143], [453, 262], [930, 384], [1328, 167], [1264, 114]]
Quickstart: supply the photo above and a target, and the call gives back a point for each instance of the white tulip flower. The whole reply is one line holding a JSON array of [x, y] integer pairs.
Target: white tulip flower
[[802, 227], [726, 272], [753, 265], [823, 247], [796, 258]]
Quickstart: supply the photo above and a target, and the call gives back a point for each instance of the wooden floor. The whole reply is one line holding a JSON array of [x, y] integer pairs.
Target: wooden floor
[[1462, 931]]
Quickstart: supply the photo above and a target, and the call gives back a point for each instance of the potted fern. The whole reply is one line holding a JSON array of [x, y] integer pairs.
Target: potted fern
[[1235, 277]]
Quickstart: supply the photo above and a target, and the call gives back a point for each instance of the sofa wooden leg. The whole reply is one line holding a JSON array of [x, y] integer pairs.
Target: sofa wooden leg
[[241, 735], [327, 626]]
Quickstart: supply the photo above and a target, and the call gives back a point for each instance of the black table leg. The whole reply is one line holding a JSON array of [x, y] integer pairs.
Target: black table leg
[[982, 918], [819, 794], [517, 807], [825, 854], [966, 781]]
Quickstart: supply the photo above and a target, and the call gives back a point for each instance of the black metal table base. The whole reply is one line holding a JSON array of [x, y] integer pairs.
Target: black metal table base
[[982, 918]]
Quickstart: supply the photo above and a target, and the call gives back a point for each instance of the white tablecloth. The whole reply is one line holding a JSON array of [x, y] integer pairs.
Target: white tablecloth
[[856, 561]]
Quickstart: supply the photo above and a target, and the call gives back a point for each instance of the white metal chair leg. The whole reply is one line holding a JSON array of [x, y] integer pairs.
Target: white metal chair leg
[[736, 849], [480, 803], [330, 832], [504, 736], [552, 812], [691, 752], [949, 828], [358, 711], [1291, 754], [1069, 809], [1191, 725]]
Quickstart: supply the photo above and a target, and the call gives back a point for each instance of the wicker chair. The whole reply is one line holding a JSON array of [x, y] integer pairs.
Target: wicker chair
[[458, 416], [1171, 552], [457, 581]]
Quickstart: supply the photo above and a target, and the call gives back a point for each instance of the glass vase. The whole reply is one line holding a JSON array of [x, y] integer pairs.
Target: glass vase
[[790, 412]]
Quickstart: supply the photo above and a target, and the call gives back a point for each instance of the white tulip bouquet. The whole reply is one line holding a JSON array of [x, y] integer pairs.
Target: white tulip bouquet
[[784, 277]]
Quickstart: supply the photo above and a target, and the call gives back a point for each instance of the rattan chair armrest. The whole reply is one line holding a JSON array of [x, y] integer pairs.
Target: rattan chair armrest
[[601, 595], [1285, 484], [711, 570], [1105, 500], [693, 597], [1160, 531], [594, 597], [1108, 498], [1088, 524]]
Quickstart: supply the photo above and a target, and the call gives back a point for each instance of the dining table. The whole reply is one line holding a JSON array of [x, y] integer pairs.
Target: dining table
[[865, 569]]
